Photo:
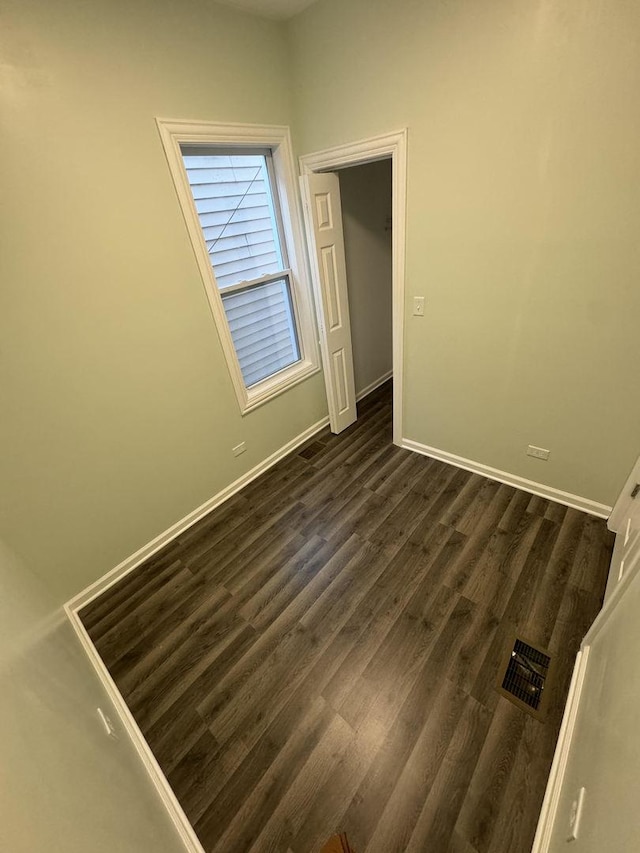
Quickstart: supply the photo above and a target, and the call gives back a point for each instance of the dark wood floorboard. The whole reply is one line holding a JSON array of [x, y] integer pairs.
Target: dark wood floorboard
[[320, 653]]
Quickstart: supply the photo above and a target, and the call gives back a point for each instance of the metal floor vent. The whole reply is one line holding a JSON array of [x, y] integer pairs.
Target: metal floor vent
[[525, 677]]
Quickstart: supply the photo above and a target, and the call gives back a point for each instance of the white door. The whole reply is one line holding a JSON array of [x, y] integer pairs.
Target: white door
[[625, 523], [323, 216], [600, 751]]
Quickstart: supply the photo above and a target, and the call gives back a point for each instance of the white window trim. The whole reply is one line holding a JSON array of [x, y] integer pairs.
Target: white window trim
[[175, 133]]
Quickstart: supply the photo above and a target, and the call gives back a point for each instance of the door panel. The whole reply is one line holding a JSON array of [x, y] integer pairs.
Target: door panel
[[625, 522], [323, 215]]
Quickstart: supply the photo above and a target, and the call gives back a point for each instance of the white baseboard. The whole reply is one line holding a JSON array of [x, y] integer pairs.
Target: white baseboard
[[549, 809], [102, 584], [159, 780], [72, 608], [548, 492], [368, 389]]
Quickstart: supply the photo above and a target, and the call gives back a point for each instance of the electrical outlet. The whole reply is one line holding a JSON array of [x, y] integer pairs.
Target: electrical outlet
[[418, 306], [575, 814], [537, 452], [239, 448]]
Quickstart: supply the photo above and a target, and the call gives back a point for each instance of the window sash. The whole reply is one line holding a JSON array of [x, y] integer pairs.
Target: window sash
[[271, 202], [268, 344], [263, 329], [178, 134]]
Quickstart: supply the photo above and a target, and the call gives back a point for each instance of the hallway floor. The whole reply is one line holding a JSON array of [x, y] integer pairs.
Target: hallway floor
[[321, 652]]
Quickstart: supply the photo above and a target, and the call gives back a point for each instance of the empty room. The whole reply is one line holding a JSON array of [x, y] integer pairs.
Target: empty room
[[319, 484]]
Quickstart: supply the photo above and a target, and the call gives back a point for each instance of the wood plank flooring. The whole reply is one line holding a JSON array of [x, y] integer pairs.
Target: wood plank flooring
[[320, 653]]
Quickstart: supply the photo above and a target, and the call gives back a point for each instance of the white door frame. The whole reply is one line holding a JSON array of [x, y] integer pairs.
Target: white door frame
[[391, 146]]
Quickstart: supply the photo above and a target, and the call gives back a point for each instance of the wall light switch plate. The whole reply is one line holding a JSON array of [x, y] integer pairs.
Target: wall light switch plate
[[239, 448], [575, 814], [418, 306]]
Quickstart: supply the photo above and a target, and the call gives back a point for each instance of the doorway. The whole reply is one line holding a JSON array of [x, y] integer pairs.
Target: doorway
[[367, 224], [390, 147]]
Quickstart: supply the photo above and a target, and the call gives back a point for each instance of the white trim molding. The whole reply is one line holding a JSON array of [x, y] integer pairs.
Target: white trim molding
[[371, 387], [391, 146], [173, 134], [548, 492], [561, 756], [159, 780], [611, 602]]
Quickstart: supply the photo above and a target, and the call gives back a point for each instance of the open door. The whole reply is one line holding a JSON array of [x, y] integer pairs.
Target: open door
[[624, 521], [323, 216]]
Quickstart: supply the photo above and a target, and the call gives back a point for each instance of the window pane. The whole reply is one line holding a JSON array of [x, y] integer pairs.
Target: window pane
[[232, 195], [263, 329]]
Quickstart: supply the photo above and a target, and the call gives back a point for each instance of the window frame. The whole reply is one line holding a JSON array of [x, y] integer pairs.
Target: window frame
[[175, 133]]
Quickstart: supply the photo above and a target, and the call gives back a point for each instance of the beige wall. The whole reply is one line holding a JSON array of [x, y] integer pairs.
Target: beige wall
[[365, 192], [65, 786], [523, 215], [118, 414]]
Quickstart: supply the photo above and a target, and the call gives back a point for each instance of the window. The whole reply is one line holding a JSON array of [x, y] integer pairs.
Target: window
[[235, 185]]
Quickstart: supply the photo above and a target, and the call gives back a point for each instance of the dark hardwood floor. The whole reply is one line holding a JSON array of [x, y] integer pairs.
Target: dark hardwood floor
[[320, 653]]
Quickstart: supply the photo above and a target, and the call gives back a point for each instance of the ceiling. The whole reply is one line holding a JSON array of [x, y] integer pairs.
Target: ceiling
[[276, 9]]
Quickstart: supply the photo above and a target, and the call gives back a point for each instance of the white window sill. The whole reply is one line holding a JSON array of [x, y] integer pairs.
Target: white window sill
[[277, 384]]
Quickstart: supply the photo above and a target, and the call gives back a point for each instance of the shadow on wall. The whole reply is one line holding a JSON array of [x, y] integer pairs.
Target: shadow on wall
[[66, 786]]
